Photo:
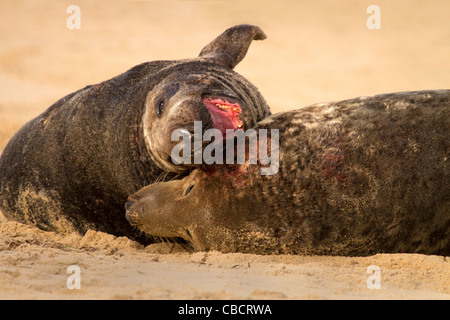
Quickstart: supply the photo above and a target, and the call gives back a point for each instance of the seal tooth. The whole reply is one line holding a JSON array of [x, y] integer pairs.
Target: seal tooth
[[223, 106]]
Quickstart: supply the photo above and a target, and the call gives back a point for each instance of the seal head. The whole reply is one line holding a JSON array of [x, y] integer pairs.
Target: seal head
[[201, 208], [203, 89]]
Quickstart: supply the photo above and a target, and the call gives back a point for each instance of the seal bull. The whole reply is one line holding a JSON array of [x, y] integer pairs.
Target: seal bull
[[355, 177], [72, 167]]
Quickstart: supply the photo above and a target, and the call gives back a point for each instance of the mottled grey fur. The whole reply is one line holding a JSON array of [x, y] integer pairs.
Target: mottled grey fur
[[356, 177]]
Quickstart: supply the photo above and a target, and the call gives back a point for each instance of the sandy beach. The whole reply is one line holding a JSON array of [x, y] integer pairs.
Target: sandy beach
[[316, 51], [34, 266]]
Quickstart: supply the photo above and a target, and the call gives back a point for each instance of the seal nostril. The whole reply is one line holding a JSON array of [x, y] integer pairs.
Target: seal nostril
[[129, 204], [189, 235], [189, 189]]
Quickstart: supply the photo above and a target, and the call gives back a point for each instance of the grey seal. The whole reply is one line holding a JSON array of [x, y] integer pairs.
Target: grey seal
[[355, 177], [72, 167]]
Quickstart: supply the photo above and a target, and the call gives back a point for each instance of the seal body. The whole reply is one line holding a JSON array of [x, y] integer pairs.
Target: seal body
[[72, 167], [356, 177]]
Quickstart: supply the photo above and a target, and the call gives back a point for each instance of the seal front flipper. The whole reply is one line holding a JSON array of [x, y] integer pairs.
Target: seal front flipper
[[229, 48]]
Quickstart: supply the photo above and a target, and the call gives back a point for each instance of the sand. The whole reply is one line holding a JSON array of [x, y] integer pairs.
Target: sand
[[316, 51], [34, 266]]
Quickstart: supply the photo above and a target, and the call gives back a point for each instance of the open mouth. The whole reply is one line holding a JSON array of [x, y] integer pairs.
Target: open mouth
[[224, 114]]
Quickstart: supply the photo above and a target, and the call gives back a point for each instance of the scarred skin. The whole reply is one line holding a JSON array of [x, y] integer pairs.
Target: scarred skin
[[356, 177], [72, 167]]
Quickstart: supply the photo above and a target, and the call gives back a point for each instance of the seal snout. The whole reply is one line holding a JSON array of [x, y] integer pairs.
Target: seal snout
[[129, 204], [131, 214]]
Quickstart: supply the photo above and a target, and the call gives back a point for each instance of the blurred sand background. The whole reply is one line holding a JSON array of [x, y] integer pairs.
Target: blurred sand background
[[316, 51]]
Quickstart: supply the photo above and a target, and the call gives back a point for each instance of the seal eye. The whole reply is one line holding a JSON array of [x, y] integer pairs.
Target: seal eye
[[159, 107], [189, 189]]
